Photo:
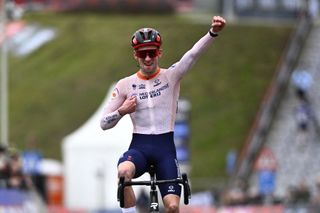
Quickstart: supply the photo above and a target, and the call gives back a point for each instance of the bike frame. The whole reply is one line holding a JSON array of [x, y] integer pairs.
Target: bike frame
[[154, 203]]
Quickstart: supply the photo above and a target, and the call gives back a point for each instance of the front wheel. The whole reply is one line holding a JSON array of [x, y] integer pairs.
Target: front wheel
[[186, 189], [120, 193]]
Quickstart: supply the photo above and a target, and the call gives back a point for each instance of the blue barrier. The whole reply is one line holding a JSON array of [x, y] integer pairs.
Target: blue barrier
[[11, 197]]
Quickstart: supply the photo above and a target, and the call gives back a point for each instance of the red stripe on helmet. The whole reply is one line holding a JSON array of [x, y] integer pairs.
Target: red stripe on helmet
[[147, 44]]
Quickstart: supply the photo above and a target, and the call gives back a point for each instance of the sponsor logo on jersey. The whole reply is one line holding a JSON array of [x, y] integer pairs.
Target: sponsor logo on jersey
[[142, 86], [156, 82], [115, 93], [153, 93], [173, 65]]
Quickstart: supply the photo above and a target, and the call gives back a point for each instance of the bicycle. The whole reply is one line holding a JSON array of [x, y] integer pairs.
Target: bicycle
[[154, 203]]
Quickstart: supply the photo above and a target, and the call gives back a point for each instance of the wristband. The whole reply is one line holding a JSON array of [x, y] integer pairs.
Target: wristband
[[212, 34]]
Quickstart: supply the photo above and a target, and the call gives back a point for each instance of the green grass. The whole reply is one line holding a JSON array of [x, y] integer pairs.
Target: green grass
[[57, 88]]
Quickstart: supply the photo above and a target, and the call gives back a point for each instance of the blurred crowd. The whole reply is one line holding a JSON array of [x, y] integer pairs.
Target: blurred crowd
[[11, 172], [302, 193], [299, 195]]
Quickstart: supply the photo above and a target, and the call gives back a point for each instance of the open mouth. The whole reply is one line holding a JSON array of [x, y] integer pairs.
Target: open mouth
[[148, 64]]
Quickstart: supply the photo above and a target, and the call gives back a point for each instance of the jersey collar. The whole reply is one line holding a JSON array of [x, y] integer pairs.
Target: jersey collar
[[143, 77]]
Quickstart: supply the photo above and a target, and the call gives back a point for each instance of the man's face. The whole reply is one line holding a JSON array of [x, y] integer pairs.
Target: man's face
[[148, 58]]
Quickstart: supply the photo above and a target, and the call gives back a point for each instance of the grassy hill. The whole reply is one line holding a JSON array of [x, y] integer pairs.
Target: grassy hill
[[57, 88]]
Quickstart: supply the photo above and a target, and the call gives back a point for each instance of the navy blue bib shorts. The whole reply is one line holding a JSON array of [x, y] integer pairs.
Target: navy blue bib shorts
[[158, 150]]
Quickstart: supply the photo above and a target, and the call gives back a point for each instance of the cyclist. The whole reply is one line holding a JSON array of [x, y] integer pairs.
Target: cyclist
[[150, 96]]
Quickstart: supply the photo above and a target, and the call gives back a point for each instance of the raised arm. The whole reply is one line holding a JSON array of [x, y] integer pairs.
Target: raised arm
[[190, 57]]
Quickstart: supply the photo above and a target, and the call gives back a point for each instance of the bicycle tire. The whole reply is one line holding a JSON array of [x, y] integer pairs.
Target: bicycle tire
[[121, 192], [186, 189]]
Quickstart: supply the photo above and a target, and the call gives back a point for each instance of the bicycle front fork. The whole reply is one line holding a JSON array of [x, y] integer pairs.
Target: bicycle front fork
[[154, 204]]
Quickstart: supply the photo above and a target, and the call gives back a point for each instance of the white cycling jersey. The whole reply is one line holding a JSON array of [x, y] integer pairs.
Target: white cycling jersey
[[157, 95]]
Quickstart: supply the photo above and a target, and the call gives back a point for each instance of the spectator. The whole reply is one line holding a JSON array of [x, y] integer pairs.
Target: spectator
[[11, 175], [302, 194], [231, 161], [290, 194], [303, 117], [315, 200], [17, 180], [313, 9], [302, 81], [4, 167], [254, 197], [236, 195]]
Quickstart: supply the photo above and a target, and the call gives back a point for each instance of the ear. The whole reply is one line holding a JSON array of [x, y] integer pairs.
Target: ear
[[160, 53], [135, 55]]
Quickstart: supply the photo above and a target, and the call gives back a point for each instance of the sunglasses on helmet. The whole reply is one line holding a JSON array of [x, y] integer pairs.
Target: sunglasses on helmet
[[151, 53]]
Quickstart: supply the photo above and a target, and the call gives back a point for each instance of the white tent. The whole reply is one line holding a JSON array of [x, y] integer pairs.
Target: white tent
[[90, 158]]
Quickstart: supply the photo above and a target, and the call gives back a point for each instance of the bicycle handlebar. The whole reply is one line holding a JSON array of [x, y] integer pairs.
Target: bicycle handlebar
[[182, 180], [149, 183]]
